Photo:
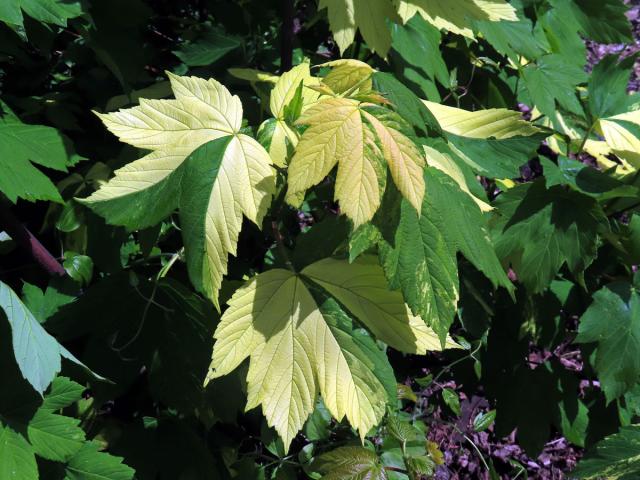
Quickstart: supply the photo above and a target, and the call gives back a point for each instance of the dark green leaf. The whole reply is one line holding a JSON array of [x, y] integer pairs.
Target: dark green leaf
[[603, 21], [613, 321], [542, 229], [484, 420], [79, 267], [450, 397], [617, 457], [551, 79], [608, 87], [406, 103], [209, 47]]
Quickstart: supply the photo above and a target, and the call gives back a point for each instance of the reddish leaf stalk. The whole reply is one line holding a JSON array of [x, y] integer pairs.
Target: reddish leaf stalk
[[26, 240]]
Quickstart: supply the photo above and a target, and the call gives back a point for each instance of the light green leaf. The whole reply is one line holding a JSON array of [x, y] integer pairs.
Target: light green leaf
[[36, 352], [362, 288], [91, 464], [17, 460], [497, 123], [458, 16], [63, 393], [54, 437]]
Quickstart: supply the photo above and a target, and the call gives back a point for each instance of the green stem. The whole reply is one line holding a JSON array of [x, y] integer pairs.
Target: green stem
[[586, 137]]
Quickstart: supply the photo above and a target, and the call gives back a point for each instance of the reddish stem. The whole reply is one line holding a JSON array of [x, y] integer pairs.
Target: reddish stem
[[25, 239]]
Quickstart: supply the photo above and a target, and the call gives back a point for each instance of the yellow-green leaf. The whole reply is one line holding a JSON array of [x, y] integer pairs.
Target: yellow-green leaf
[[298, 349], [347, 74], [223, 180], [446, 164], [456, 16], [295, 353], [286, 86], [337, 135], [282, 136], [498, 123], [341, 131], [254, 76], [622, 134], [404, 159], [237, 180], [362, 287], [369, 16]]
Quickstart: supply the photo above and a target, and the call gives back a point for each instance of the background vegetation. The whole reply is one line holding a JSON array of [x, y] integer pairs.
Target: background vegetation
[[107, 343]]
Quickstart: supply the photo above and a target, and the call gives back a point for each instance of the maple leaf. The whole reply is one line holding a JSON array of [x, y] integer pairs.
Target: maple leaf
[[457, 16], [298, 349], [221, 182], [362, 142], [368, 16]]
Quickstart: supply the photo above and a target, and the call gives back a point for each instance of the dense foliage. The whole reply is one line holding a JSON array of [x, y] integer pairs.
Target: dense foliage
[[345, 239]]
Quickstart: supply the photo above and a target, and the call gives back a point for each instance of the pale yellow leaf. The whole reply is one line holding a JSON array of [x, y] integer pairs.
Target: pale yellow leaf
[[188, 121], [498, 123], [286, 86], [404, 159], [370, 16], [293, 353], [208, 97], [347, 74], [361, 176], [456, 16], [203, 110], [244, 185], [335, 126], [622, 139]]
